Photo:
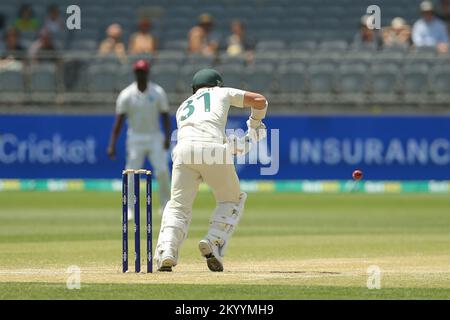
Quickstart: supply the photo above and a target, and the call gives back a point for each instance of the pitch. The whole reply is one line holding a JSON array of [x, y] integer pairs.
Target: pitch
[[288, 246]]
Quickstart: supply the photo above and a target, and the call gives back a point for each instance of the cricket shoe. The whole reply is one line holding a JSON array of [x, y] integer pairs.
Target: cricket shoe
[[211, 253], [166, 261]]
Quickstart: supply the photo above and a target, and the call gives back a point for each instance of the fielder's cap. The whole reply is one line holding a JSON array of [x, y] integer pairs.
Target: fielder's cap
[[205, 18], [426, 6], [141, 64], [207, 78]]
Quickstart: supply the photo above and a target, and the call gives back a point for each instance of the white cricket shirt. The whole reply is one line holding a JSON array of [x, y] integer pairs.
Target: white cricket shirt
[[203, 116], [142, 108]]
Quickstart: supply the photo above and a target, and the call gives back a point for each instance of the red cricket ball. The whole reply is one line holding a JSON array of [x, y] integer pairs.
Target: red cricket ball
[[357, 175]]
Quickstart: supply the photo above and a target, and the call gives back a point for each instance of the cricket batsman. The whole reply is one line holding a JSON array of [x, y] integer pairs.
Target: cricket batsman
[[142, 103], [201, 121]]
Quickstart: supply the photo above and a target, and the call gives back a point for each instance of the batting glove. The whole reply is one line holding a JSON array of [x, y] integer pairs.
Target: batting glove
[[256, 130], [239, 146]]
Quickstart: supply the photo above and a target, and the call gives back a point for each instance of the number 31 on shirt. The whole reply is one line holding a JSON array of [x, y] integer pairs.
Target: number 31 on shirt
[[190, 105]]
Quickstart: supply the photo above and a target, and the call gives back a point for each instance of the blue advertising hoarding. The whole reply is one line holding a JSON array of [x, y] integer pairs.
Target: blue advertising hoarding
[[300, 147]]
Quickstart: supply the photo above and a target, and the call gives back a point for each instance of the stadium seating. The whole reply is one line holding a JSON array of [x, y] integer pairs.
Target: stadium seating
[[11, 81], [351, 82], [303, 53], [12, 86], [43, 78], [441, 83], [321, 78], [384, 84], [232, 74], [292, 83], [259, 78], [102, 79], [166, 75], [416, 83]]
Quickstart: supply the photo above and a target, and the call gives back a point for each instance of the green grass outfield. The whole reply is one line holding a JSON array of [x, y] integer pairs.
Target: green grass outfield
[[288, 246]]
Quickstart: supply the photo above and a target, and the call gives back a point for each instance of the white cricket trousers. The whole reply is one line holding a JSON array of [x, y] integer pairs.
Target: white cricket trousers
[[186, 178]]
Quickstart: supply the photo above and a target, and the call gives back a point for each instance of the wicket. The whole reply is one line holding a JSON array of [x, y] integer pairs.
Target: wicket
[[137, 228]]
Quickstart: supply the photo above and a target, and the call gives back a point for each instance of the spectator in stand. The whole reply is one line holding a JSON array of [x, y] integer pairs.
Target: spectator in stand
[[430, 31], [26, 22], [398, 34], [112, 44], [443, 11], [367, 38], [143, 40], [42, 49], [202, 39], [10, 53], [237, 42], [13, 48], [53, 22]]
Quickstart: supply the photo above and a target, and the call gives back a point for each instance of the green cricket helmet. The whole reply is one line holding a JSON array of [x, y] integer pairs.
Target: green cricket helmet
[[206, 78]]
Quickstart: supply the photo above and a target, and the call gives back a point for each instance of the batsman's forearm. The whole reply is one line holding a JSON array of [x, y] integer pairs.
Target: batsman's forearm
[[255, 100], [259, 103], [259, 113]]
